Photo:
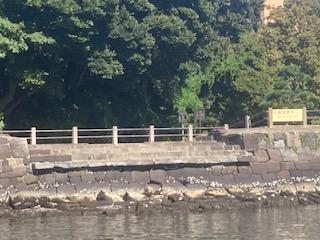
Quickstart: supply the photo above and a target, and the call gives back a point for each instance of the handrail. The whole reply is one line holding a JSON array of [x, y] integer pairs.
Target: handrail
[[108, 135]]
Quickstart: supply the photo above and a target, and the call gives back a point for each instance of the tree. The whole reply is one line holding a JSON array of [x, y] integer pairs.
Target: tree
[[97, 63]]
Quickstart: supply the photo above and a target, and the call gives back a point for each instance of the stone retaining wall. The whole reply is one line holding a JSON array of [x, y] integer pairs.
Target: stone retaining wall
[[293, 153], [238, 158], [15, 169]]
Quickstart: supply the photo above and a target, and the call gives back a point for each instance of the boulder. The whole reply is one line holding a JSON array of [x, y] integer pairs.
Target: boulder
[[175, 197], [287, 190], [30, 178], [103, 197], [305, 187], [127, 198], [217, 193]]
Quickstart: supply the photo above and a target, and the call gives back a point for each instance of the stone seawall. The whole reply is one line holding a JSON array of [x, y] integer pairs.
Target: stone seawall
[[256, 166]]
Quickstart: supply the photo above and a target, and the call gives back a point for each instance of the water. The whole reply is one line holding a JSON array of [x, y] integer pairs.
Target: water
[[288, 223]]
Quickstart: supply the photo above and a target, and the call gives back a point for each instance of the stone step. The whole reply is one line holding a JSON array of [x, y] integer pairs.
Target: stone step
[[180, 154], [34, 152], [50, 158], [217, 159]]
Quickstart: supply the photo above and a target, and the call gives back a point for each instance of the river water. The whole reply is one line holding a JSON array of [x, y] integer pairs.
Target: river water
[[272, 223]]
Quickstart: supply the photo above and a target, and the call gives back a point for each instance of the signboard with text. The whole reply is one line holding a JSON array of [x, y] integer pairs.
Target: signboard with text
[[287, 115], [293, 116]]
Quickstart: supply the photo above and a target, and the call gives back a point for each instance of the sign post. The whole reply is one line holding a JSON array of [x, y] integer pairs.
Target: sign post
[[199, 116], [181, 119]]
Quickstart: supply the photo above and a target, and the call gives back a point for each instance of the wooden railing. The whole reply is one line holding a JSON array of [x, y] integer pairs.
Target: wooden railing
[[113, 135]]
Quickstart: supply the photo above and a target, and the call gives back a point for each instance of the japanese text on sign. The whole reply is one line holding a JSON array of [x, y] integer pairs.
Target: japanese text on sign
[[287, 115]]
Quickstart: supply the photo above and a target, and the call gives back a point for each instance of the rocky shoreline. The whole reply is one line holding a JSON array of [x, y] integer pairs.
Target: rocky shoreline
[[155, 198]]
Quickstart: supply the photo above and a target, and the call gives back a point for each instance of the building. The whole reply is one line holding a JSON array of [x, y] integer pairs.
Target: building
[[268, 6]]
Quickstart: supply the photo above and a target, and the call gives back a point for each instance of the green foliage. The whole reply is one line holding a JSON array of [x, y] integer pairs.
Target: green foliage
[[105, 64], [12, 37], [158, 56], [189, 96], [275, 66]]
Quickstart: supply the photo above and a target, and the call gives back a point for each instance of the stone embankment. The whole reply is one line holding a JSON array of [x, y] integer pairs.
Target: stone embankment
[[241, 168]]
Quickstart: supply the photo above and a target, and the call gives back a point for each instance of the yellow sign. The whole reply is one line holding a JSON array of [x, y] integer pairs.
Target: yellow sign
[[287, 115]]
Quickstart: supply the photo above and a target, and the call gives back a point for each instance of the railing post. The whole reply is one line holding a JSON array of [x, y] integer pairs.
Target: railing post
[[75, 135], [305, 117], [151, 133], [226, 126], [190, 133], [270, 118], [33, 136], [115, 135], [247, 121]]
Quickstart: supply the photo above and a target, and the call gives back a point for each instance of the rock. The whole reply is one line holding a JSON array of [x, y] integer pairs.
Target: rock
[[193, 194], [217, 192], [175, 197], [234, 190], [136, 196], [258, 191], [127, 198], [24, 200], [246, 197], [304, 187], [287, 190], [102, 197], [30, 178], [148, 192]]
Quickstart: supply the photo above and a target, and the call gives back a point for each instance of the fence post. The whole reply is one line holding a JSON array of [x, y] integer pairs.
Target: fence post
[[270, 118], [75, 135], [33, 136], [247, 121], [151, 133], [226, 126], [115, 135], [305, 117], [190, 133]]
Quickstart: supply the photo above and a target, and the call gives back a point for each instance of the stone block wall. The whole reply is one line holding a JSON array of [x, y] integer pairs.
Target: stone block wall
[[286, 154], [236, 159], [15, 171]]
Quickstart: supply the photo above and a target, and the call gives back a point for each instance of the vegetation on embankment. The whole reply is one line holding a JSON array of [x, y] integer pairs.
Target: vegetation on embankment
[[102, 62]]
